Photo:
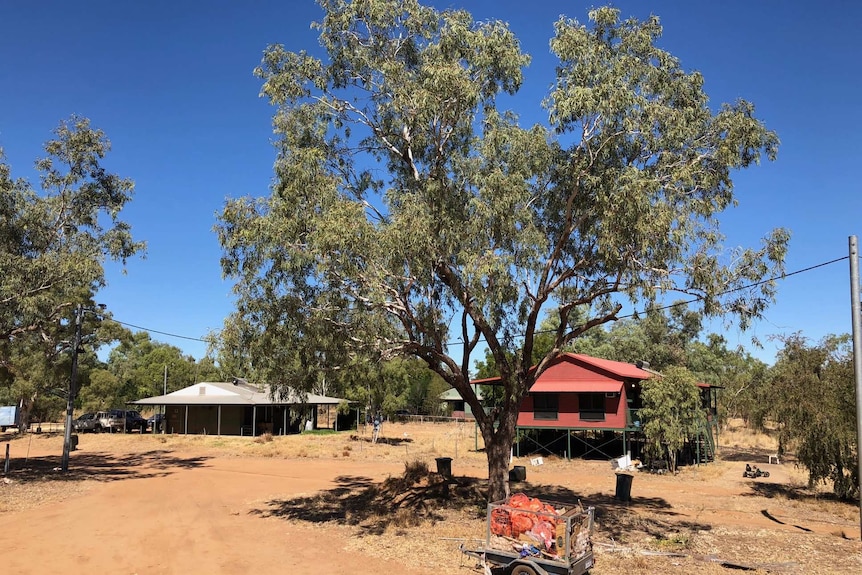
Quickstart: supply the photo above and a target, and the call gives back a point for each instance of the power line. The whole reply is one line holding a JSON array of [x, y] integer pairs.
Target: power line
[[160, 332], [634, 314], [749, 286], [687, 302]]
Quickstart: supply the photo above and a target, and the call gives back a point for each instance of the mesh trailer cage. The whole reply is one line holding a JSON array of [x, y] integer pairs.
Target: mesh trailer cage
[[548, 530]]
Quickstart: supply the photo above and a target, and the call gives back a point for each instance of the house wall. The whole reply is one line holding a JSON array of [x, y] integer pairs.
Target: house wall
[[278, 419], [175, 417], [204, 419], [232, 417], [459, 408], [568, 414], [246, 419]]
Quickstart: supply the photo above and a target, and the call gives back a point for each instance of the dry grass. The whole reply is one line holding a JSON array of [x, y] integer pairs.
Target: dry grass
[[41, 484], [17, 496], [736, 436], [265, 438]]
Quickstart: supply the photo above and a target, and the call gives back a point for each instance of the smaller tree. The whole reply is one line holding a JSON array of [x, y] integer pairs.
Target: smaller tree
[[672, 413], [144, 367], [103, 392], [424, 389], [813, 400], [36, 367], [54, 241]]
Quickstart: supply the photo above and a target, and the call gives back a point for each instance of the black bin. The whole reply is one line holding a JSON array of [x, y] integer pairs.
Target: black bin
[[444, 466], [624, 486], [518, 473]]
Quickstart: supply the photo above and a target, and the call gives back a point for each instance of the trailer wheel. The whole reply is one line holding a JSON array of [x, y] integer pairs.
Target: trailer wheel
[[523, 570]]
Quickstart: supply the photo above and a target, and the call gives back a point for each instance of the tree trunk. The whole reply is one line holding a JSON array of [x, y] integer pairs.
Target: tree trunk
[[24, 414], [498, 451]]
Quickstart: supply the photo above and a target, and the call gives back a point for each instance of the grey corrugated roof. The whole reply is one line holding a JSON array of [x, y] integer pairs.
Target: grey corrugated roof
[[241, 393], [453, 394], [193, 400]]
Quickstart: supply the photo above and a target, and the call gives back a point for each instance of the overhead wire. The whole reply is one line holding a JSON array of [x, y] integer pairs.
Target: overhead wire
[[749, 286], [633, 314], [148, 330]]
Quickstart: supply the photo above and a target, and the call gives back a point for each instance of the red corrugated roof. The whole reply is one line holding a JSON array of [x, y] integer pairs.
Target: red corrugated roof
[[597, 386], [618, 369], [485, 381]]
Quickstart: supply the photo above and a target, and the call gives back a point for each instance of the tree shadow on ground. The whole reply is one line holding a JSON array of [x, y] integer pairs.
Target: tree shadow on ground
[[416, 497], [747, 454], [771, 517], [789, 491], [420, 496], [382, 439], [616, 519], [99, 466]]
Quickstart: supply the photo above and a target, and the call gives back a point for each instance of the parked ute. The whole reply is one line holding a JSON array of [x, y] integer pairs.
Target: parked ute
[[158, 420], [86, 422], [134, 420], [109, 421]]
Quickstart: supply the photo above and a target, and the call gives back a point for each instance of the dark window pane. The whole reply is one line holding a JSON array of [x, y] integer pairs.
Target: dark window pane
[[591, 406], [545, 406]]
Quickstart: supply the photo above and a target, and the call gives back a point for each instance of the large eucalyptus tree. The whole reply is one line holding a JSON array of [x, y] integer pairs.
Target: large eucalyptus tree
[[54, 240], [411, 215]]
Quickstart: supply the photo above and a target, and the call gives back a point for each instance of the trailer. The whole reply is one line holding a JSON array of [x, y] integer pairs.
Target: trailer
[[530, 536]]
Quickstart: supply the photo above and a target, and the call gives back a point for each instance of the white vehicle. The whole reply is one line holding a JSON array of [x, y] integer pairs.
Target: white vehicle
[[99, 421]]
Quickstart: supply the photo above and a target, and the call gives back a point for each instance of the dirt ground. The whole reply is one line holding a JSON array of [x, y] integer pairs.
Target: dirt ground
[[338, 504]]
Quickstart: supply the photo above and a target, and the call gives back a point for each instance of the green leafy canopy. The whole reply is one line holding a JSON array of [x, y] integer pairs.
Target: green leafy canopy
[[409, 210], [53, 242]]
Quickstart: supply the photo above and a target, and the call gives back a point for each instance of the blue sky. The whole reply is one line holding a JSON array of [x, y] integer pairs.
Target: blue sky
[[171, 84]]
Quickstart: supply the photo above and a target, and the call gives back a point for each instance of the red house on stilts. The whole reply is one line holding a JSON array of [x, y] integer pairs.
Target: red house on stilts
[[583, 406]]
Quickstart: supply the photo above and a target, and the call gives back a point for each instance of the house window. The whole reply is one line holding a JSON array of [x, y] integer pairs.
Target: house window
[[592, 406], [545, 406]]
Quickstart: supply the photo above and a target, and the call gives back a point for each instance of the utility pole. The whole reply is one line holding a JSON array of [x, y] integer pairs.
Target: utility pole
[[73, 388], [856, 311], [165, 407]]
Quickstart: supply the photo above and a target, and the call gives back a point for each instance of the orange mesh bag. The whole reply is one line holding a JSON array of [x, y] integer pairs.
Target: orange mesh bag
[[552, 516], [518, 500], [501, 523], [522, 522]]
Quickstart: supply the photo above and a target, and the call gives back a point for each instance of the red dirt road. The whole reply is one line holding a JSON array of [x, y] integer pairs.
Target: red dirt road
[[191, 515]]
